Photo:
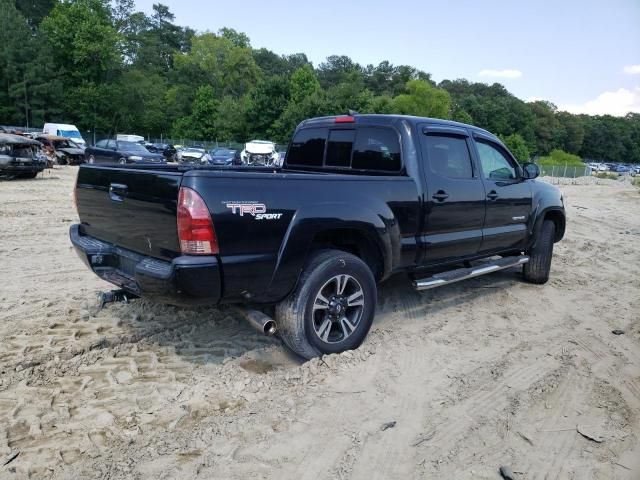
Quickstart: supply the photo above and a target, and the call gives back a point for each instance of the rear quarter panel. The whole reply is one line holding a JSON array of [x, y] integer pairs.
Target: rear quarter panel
[[262, 258]]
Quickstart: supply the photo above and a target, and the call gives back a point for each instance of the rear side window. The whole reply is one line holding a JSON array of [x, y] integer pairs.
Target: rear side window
[[339, 148], [449, 156], [307, 147], [376, 149]]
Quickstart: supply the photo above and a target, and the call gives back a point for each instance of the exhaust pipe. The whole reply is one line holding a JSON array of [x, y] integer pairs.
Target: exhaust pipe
[[258, 320]]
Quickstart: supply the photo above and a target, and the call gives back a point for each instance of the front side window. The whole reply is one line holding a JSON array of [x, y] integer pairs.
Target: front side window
[[376, 149], [307, 147], [495, 164], [448, 156]]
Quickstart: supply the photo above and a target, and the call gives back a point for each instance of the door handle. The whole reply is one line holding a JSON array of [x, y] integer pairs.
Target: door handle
[[440, 196], [117, 192], [492, 195]]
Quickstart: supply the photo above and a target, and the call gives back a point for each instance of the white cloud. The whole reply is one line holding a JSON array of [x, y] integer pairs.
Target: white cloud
[[632, 69], [618, 103], [508, 73]]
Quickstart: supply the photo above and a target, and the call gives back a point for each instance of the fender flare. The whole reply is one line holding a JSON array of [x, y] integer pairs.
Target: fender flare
[[381, 228]]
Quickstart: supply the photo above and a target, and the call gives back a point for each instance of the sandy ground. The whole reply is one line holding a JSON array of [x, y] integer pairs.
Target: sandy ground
[[484, 373]]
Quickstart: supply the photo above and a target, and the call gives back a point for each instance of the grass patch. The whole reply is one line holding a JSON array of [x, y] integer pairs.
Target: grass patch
[[559, 158], [607, 175]]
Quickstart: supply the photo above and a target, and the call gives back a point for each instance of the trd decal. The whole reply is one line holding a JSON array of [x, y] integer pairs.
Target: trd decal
[[256, 210]]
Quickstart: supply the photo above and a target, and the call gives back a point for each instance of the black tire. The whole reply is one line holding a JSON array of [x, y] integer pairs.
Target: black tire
[[539, 265], [299, 315], [122, 161], [29, 175]]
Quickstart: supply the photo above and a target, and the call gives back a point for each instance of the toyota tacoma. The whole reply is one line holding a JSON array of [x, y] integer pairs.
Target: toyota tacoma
[[358, 199]]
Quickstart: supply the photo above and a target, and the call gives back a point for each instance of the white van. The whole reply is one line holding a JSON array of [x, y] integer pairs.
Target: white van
[[64, 130]]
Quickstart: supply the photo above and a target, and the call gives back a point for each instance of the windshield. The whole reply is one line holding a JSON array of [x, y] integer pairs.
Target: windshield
[[70, 134], [63, 144], [132, 147]]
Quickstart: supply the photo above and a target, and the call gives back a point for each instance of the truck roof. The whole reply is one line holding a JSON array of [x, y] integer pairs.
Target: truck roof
[[388, 119], [67, 126]]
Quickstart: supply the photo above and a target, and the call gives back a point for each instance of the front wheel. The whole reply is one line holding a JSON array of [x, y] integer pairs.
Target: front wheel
[[331, 309], [537, 269], [92, 159]]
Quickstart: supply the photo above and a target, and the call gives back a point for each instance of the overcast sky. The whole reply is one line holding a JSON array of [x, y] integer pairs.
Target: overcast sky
[[583, 55]]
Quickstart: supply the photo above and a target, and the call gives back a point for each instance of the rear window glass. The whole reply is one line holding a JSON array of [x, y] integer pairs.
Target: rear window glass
[[376, 149], [307, 147], [449, 156], [339, 148]]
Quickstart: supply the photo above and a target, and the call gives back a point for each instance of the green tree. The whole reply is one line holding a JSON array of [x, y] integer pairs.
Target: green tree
[[30, 85], [83, 40], [423, 99], [238, 39], [547, 128], [216, 61], [516, 145], [265, 105], [303, 84]]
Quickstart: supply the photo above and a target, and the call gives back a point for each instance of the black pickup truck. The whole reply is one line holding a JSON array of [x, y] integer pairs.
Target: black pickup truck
[[359, 198]]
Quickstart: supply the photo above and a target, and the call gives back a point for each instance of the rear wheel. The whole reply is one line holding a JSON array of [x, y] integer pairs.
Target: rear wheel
[[539, 265], [331, 309]]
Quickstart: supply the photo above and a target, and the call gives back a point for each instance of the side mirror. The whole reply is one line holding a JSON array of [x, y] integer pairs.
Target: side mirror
[[530, 170]]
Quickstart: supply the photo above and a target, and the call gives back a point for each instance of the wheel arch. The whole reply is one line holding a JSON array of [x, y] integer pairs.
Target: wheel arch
[[373, 237], [557, 216]]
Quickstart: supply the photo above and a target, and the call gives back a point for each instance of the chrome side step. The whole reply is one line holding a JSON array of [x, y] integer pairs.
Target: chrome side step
[[452, 276]]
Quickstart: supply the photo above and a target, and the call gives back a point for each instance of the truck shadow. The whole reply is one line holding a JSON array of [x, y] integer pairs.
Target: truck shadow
[[212, 335]]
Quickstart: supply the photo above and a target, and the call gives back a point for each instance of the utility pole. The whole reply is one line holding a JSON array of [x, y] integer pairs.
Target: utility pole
[[26, 103]]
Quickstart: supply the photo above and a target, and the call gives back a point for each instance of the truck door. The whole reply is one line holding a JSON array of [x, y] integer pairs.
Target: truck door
[[508, 197], [455, 196]]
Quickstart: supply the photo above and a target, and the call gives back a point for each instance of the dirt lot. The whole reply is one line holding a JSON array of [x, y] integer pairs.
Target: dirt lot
[[476, 375]]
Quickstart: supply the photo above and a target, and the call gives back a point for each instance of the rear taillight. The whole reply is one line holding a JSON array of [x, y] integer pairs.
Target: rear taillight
[[195, 228]]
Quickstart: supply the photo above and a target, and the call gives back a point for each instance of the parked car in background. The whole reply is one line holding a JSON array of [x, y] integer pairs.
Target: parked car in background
[[598, 167], [117, 151], [61, 150], [19, 156], [622, 169], [222, 156], [166, 149], [260, 153], [193, 155], [64, 130]]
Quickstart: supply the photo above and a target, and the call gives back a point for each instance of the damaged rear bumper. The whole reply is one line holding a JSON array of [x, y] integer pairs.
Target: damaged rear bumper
[[185, 280]]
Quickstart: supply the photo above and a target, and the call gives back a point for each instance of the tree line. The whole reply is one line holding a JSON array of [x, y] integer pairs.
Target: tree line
[[106, 67]]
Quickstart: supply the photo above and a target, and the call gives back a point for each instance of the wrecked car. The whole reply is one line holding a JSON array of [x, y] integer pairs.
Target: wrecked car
[[260, 153], [19, 156], [61, 150]]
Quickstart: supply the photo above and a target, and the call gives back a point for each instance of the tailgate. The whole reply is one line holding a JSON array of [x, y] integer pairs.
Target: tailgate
[[130, 207]]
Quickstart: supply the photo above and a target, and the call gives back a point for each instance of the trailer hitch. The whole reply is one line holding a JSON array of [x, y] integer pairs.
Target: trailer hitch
[[114, 296]]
